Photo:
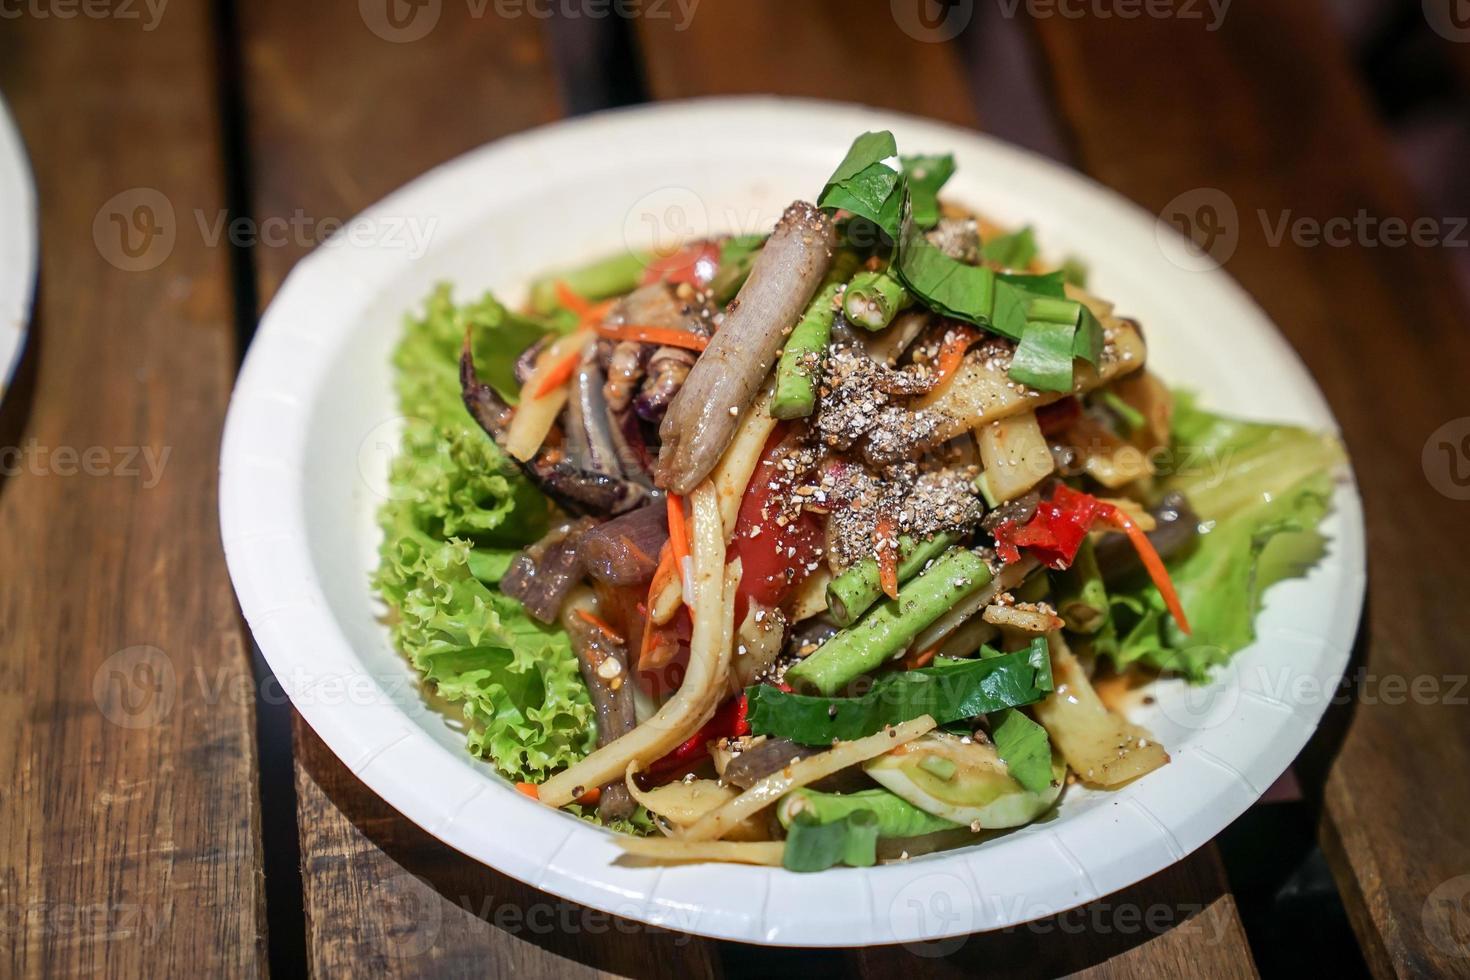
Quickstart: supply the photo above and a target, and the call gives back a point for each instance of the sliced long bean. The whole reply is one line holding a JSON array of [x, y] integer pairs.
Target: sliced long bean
[[800, 365], [852, 593], [873, 299], [890, 626]]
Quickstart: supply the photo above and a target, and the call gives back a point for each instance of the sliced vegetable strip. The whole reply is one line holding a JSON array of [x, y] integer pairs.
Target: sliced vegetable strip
[[716, 824], [887, 553], [679, 543], [558, 374], [703, 688], [767, 853], [664, 336], [1152, 563]]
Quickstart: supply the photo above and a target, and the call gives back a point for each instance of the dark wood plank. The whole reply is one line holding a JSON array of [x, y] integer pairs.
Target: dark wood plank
[[874, 53], [1267, 111], [1180, 922], [129, 824], [420, 908], [818, 48], [328, 136]]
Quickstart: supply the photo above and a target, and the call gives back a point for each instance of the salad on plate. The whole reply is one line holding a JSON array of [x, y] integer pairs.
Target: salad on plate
[[823, 546]]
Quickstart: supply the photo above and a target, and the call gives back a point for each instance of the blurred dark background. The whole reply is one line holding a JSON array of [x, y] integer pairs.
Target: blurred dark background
[[1418, 79]]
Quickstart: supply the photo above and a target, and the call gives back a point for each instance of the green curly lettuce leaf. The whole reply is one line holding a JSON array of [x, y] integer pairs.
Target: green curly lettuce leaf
[[458, 512], [515, 679], [1260, 491]]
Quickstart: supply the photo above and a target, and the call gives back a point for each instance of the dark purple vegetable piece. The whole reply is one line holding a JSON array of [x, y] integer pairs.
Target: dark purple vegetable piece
[[1017, 511], [526, 363], [611, 691], [587, 413], [760, 760], [577, 490], [1178, 526], [624, 551], [668, 368], [542, 575]]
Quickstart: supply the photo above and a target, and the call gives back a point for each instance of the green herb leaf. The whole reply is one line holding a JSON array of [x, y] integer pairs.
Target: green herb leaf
[[925, 176], [965, 292], [1043, 359], [948, 691], [1013, 251], [866, 184], [815, 846], [1023, 744], [1052, 284]]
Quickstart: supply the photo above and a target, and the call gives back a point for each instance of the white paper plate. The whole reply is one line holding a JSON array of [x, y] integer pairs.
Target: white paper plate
[[17, 247], [313, 423]]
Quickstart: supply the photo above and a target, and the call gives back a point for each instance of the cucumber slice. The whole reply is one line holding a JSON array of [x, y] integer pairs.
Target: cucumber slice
[[980, 792], [896, 817]]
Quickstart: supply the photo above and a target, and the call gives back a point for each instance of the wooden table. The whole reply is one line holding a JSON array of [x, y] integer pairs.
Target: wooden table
[[145, 828]]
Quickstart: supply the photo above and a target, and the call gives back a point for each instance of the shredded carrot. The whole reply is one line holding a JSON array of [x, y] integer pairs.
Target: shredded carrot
[[600, 624], [1152, 562], [923, 658], [561, 372], [666, 336], [590, 797], [528, 789], [597, 311], [660, 574], [587, 311], [952, 355], [569, 298], [678, 533], [887, 549]]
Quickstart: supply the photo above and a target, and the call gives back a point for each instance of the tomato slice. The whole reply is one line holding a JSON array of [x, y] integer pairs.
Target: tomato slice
[[695, 263], [775, 558]]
